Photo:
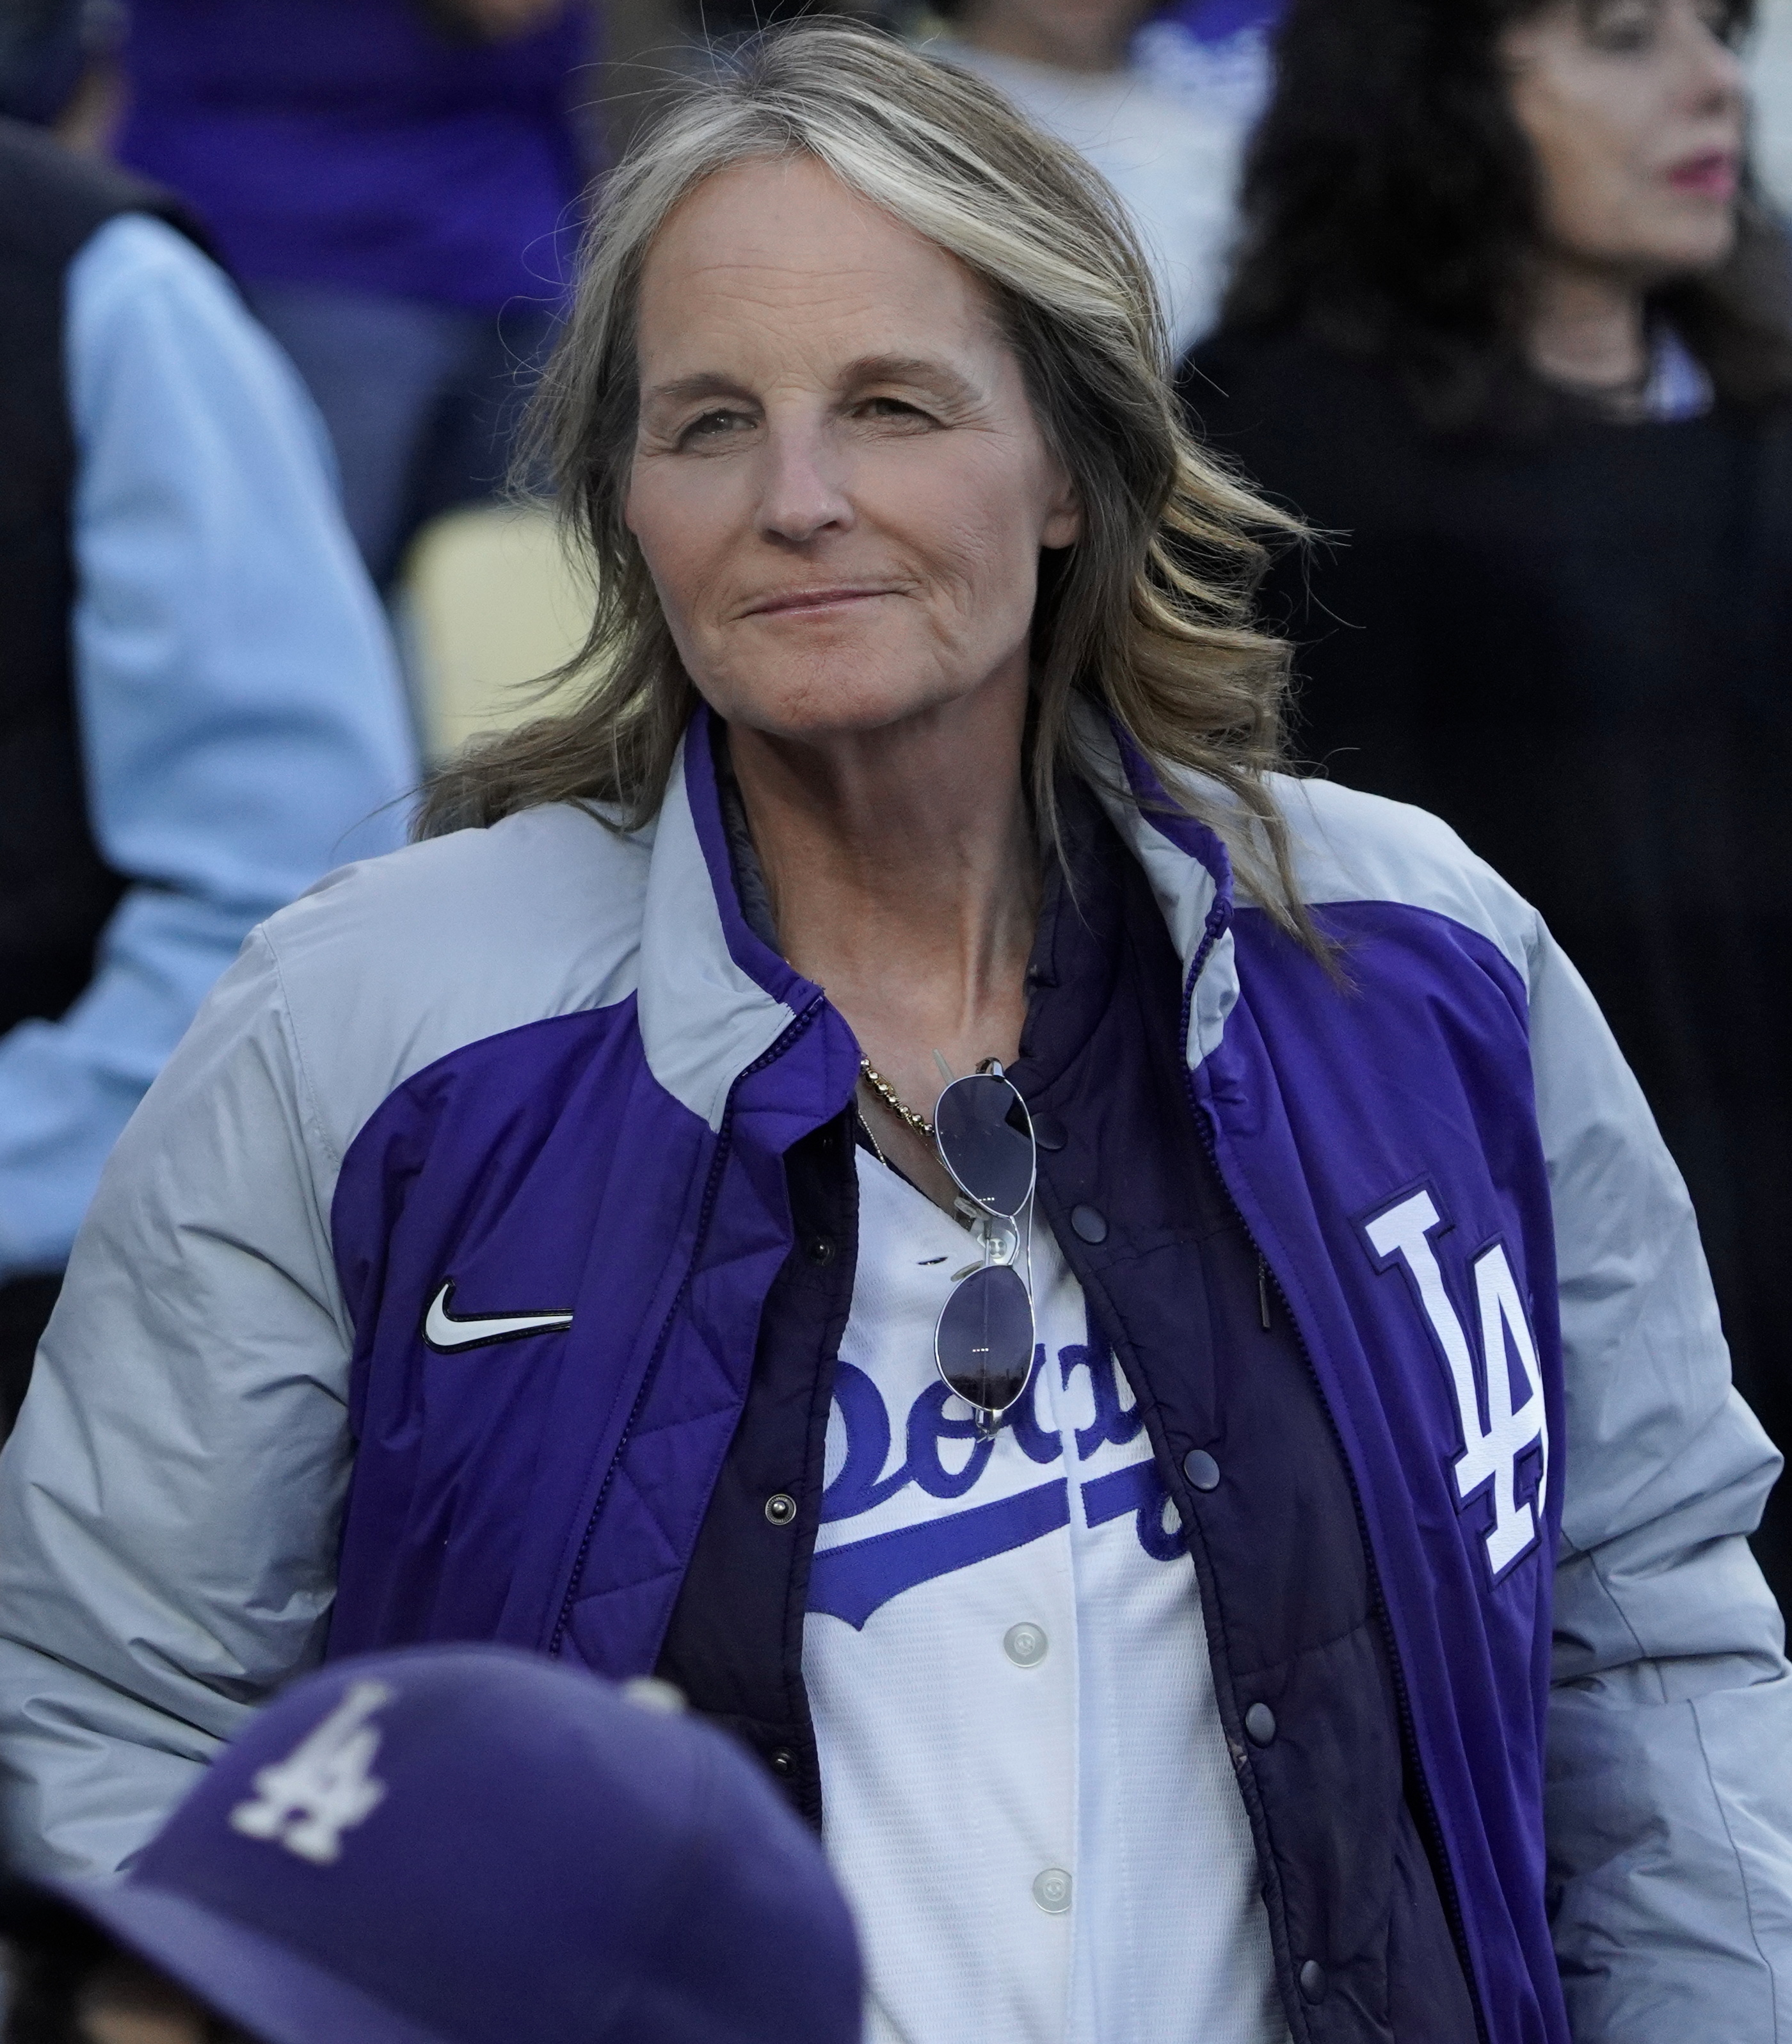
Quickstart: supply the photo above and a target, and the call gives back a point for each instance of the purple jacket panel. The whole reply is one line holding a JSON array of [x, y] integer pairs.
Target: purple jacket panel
[[644, 1525], [1318, 1133], [539, 1170]]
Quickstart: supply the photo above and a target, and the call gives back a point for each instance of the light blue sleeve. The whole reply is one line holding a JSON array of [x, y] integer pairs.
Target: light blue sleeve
[[242, 720]]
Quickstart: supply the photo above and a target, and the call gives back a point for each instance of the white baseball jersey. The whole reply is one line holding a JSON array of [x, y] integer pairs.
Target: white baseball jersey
[[1025, 1787]]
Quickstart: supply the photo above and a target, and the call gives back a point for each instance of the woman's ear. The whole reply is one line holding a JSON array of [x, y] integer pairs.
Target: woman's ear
[[1064, 515]]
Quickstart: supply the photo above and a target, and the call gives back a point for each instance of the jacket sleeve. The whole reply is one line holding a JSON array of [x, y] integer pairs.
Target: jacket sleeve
[[169, 1501], [1669, 1796]]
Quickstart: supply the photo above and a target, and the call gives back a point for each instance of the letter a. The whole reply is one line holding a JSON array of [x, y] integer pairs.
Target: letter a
[[323, 1787], [1492, 1447]]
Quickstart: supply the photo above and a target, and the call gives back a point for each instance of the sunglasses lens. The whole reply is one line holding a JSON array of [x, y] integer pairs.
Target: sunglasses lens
[[986, 1138], [983, 1342]]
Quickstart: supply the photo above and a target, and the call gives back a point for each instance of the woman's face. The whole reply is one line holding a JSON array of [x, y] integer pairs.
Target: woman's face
[[839, 487], [1635, 108]]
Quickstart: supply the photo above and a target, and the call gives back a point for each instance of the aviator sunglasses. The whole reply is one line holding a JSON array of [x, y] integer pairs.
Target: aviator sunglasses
[[983, 1342]]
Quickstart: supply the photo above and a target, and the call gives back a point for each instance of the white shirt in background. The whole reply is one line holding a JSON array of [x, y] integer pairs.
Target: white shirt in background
[[1025, 1786], [1170, 150]]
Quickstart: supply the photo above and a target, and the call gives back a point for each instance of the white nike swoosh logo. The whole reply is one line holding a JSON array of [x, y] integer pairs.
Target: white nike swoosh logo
[[442, 1329]]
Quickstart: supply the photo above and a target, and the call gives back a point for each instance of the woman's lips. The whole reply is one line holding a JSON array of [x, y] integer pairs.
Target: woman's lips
[[797, 603], [1711, 175]]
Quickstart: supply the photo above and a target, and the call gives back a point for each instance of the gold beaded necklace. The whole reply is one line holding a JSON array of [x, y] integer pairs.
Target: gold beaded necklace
[[893, 1101]]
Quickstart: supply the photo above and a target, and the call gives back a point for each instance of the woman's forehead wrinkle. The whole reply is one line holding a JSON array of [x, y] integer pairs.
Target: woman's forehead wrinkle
[[848, 326], [872, 285], [780, 240]]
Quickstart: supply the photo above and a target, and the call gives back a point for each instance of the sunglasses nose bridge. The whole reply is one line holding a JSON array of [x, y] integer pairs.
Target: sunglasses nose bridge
[[1001, 1239]]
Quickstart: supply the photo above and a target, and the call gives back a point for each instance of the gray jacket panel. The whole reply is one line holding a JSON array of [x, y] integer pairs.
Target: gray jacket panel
[[170, 1500], [1668, 1811]]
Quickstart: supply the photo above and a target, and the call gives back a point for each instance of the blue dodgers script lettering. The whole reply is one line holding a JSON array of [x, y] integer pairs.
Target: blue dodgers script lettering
[[852, 1580]]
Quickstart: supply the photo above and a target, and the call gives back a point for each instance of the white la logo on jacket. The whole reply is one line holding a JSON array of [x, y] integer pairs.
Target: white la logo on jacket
[[1493, 1446], [323, 1787]]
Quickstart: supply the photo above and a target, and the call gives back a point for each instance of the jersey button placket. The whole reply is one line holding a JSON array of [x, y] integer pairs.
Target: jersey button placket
[[1025, 1645]]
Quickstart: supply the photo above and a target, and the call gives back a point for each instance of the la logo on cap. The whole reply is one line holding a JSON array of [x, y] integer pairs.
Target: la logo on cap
[[323, 1788]]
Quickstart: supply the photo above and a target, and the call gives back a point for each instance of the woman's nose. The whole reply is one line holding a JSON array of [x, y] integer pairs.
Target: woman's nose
[[1720, 81], [804, 492]]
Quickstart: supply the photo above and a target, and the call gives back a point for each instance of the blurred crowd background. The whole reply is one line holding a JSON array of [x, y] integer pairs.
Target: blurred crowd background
[[275, 274]]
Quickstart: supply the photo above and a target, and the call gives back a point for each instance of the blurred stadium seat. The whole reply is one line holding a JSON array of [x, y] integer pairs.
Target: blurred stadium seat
[[487, 604]]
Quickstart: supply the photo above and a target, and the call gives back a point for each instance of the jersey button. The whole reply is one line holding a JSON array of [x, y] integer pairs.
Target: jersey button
[[1051, 1890], [1090, 1223], [1259, 1724], [784, 1763], [822, 1249], [1201, 1469], [1025, 1645], [1312, 1981], [781, 1508]]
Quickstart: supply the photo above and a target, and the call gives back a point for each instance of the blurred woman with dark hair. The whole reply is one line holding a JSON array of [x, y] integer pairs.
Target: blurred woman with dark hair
[[1509, 326]]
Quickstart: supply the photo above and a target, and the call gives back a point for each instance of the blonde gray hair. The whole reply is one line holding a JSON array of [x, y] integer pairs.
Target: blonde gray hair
[[1148, 615]]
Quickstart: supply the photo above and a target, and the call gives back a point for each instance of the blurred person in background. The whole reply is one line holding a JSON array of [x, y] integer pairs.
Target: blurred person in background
[[461, 1845], [199, 708], [1511, 328], [396, 184], [47, 48], [1167, 135]]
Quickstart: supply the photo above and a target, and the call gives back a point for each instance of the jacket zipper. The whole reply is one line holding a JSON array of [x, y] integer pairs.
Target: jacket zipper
[[1409, 1738], [712, 1186]]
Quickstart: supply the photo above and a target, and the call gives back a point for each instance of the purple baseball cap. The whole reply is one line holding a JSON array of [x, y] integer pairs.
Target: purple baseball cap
[[470, 1844]]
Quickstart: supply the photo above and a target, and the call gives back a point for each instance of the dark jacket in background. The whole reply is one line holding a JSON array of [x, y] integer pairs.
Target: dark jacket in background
[[1576, 646]]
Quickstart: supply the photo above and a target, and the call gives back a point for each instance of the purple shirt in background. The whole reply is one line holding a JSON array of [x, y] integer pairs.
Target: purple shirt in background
[[348, 142], [1216, 21]]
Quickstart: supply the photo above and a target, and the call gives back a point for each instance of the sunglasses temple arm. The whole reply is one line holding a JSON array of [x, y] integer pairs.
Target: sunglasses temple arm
[[989, 1424]]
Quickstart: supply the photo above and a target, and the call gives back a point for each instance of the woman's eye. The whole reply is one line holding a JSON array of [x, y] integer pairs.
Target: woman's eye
[[712, 426], [1622, 25], [894, 408]]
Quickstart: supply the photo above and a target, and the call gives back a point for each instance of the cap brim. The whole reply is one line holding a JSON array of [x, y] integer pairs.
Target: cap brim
[[243, 1974]]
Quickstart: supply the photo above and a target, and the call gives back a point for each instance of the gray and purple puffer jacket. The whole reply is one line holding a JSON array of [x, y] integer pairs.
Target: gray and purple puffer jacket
[[476, 1269]]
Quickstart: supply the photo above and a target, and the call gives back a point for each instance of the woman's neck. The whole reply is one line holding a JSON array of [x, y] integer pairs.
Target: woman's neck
[[903, 877], [1587, 328]]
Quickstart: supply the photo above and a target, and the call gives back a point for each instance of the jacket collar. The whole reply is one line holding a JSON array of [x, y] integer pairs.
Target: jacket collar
[[715, 998], [1191, 874]]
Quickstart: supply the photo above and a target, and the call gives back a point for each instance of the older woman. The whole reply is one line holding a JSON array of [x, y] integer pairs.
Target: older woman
[[1089, 1300]]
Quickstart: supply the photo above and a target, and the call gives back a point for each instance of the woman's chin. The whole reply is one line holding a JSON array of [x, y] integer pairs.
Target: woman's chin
[[845, 702]]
